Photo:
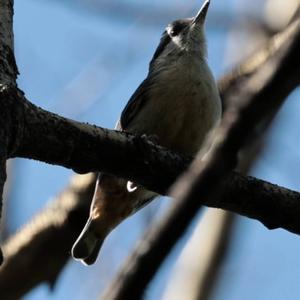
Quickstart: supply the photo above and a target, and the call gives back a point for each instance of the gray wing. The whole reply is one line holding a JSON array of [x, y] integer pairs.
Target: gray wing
[[139, 97], [135, 103]]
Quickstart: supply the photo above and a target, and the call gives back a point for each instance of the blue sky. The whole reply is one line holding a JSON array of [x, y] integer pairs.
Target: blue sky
[[85, 65]]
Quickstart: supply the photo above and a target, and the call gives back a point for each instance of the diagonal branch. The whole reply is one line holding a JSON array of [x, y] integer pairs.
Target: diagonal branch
[[42, 247], [196, 269], [204, 181], [60, 223]]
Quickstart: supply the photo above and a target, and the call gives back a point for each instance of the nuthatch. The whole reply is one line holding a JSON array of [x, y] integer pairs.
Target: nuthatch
[[178, 103]]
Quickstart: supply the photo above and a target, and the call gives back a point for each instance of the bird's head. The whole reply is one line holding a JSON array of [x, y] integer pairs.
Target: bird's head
[[183, 36]]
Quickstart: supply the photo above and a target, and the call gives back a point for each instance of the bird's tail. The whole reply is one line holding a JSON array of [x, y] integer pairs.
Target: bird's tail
[[87, 245]]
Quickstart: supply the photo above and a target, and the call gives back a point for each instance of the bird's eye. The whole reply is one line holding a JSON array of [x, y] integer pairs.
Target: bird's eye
[[176, 28], [174, 31]]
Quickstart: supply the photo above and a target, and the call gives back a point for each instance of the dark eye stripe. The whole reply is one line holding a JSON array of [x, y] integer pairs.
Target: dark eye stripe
[[176, 27], [172, 30]]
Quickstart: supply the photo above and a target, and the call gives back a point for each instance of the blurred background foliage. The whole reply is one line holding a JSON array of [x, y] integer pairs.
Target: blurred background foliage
[[83, 60]]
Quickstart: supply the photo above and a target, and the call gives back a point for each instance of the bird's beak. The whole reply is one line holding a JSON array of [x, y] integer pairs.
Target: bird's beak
[[200, 17]]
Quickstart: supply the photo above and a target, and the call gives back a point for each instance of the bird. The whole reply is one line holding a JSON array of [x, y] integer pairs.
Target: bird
[[178, 103]]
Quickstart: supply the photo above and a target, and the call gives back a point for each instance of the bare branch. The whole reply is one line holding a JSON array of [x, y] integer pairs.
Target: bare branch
[[8, 75], [87, 148], [39, 251], [71, 143], [8, 67], [57, 221]]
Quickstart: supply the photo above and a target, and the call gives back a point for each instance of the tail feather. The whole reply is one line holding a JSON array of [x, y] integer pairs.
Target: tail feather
[[89, 260], [87, 245]]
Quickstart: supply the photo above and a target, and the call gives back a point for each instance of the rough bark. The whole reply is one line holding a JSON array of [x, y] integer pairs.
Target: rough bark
[[8, 76], [8, 67], [72, 144], [87, 148]]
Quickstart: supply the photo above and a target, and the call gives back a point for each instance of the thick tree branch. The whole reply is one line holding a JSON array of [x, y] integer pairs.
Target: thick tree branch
[[8, 75], [86, 148], [93, 148], [203, 181], [8, 67]]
